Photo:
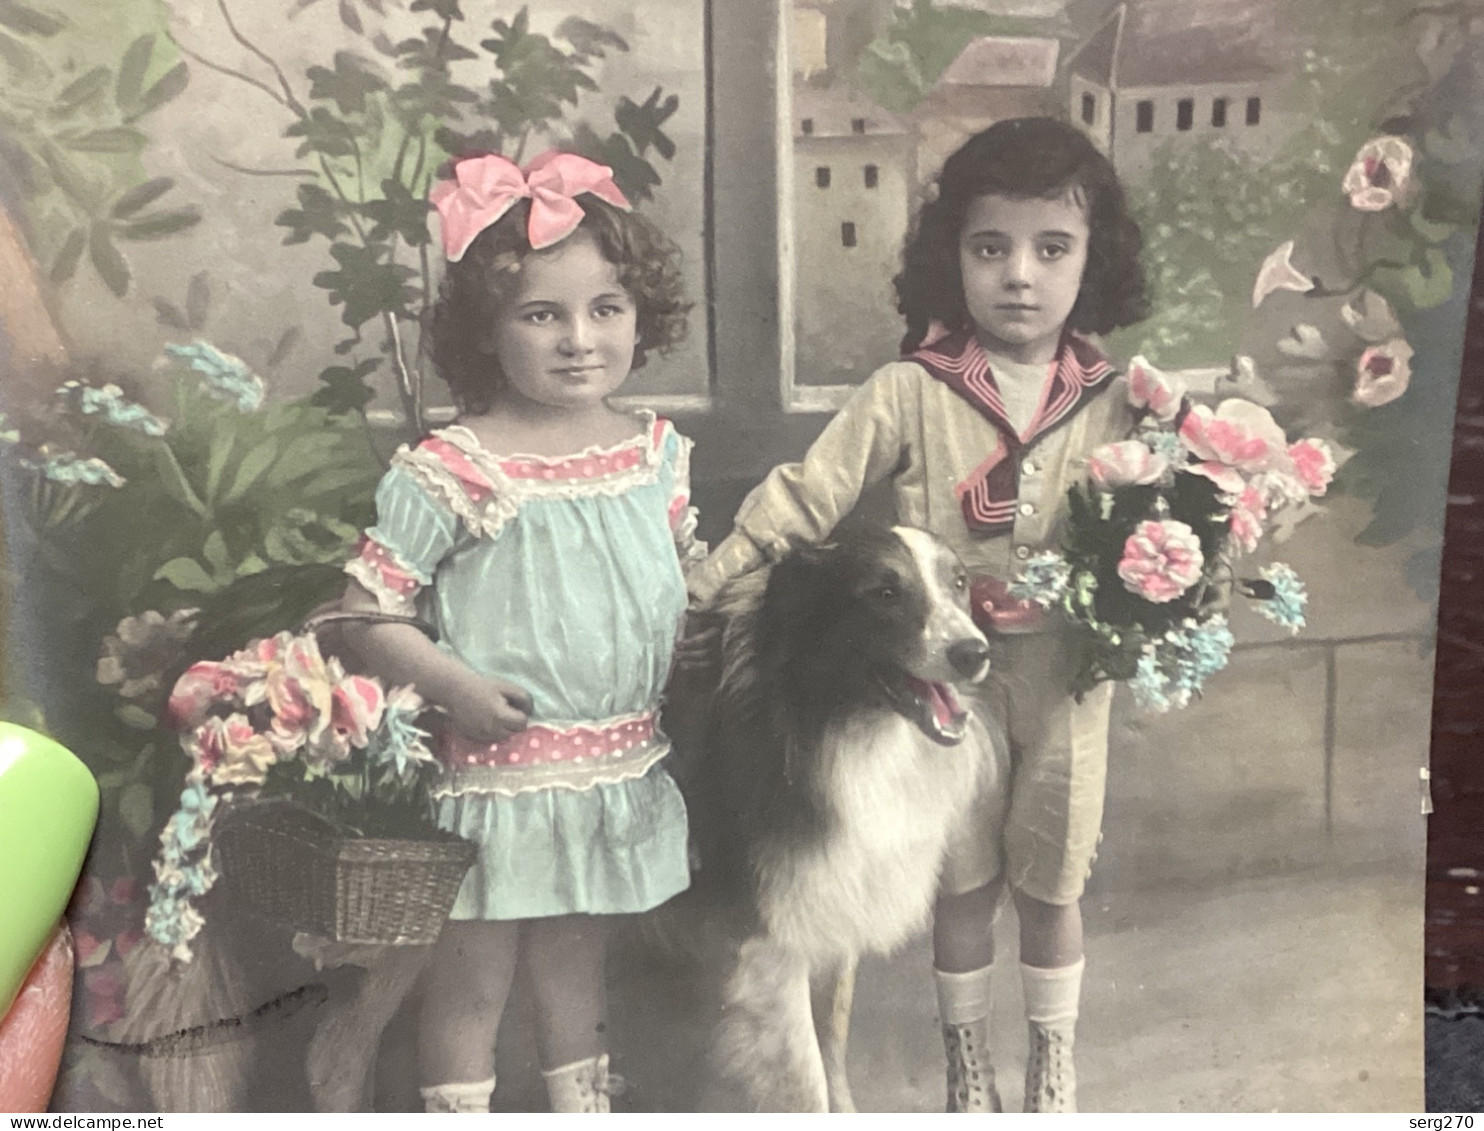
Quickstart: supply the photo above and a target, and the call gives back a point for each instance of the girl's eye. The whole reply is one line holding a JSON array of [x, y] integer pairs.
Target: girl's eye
[[1053, 251], [540, 317], [988, 251], [609, 310]]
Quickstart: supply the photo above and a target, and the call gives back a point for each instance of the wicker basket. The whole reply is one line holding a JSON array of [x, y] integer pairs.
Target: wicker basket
[[288, 865]]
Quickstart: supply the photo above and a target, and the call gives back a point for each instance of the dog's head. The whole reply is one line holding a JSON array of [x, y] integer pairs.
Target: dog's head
[[884, 613]]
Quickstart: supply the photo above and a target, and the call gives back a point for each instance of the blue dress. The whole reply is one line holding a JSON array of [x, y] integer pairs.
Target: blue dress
[[563, 577]]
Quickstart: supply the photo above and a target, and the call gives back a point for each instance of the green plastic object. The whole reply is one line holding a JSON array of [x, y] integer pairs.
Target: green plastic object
[[48, 807]]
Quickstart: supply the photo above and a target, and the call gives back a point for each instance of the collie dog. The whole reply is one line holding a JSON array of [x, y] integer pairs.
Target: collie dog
[[840, 763]]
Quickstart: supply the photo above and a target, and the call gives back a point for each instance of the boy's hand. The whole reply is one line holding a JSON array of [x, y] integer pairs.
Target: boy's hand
[[489, 710], [699, 646]]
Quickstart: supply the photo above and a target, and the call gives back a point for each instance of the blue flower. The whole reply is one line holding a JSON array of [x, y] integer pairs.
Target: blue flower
[[69, 467], [226, 377], [1175, 667], [1164, 444], [1044, 580], [1286, 605], [109, 403], [399, 740]]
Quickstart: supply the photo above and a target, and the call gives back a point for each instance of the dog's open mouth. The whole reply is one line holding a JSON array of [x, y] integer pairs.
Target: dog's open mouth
[[932, 706]]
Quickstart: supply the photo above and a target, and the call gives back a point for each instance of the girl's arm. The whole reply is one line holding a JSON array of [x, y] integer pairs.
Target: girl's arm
[[479, 708], [801, 503]]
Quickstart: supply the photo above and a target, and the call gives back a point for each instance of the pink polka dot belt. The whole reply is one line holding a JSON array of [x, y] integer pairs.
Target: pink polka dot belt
[[541, 744]]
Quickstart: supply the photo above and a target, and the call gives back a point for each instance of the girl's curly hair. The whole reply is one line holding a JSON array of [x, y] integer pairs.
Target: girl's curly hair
[[1024, 157], [648, 268]]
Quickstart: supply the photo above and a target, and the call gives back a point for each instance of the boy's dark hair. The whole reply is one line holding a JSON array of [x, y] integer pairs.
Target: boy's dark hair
[[648, 267], [1024, 157]]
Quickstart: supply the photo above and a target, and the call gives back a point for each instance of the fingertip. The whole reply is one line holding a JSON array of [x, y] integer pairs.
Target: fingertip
[[33, 1032]]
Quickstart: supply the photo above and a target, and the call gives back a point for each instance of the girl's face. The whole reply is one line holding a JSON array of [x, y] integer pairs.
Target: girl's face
[[1022, 262], [565, 335]]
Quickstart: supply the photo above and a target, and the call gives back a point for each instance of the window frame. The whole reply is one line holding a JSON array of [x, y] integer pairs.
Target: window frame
[[1144, 116]]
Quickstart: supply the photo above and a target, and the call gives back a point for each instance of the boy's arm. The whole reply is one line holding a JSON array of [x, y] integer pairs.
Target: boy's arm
[[801, 503]]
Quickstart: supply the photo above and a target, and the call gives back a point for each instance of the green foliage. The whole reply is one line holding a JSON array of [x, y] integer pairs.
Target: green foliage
[[904, 61], [71, 107], [377, 131]]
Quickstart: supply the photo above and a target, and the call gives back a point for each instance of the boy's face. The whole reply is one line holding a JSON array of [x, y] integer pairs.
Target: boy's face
[[1022, 261]]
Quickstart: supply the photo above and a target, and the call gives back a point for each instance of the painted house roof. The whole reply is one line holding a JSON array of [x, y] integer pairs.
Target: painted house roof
[[833, 111], [992, 60], [1146, 43]]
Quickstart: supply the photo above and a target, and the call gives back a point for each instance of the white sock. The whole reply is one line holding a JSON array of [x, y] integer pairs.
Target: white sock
[[474, 1097], [1052, 995], [963, 998]]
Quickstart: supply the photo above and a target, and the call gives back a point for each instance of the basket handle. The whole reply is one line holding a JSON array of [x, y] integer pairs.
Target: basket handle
[[337, 616]]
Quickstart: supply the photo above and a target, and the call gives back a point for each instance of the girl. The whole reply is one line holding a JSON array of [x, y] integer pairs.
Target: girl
[[539, 536], [982, 428]]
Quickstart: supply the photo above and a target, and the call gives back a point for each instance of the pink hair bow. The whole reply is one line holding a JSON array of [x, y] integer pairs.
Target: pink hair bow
[[485, 188]]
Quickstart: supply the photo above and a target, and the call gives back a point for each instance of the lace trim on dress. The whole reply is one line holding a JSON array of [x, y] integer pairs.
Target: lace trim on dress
[[381, 573], [511, 781], [484, 508]]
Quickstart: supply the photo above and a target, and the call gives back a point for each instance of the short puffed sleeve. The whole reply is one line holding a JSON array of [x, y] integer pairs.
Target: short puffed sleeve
[[399, 555]]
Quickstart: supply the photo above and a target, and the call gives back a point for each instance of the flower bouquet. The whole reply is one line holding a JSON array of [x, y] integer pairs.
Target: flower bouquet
[[1150, 550], [350, 850]]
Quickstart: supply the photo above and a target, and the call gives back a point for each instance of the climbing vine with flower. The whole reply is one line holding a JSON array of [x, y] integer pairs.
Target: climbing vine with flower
[[1385, 282], [1154, 540]]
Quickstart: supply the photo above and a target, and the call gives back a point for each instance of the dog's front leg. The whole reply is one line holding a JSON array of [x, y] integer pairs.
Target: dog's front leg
[[833, 992], [765, 1044]]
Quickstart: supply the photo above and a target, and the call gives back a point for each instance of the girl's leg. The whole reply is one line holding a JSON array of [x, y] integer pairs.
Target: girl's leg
[[564, 958], [467, 983], [1050, 934]]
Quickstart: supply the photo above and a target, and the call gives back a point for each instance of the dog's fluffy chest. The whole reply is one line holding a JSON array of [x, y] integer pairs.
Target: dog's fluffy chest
[[896, 799]]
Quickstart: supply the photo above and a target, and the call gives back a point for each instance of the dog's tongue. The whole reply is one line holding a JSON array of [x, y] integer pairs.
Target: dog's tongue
[[946, 711]]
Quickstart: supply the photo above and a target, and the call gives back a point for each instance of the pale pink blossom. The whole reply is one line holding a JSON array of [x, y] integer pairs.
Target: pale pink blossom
[[1126, 463], [299, 689], [1161, 393], [1248, 512], [1229, 480], [356, 707], [1382, 373], [1161, 560], [1277, 273], [230, 752], [1380, 175], [203, 686], [1281, 488], [1313, 464], [1239, 434]]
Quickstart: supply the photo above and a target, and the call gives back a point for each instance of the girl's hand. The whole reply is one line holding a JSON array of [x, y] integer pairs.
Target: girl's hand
[[489, 710]]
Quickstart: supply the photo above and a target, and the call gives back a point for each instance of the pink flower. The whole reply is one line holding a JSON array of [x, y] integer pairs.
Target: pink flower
[[1126, 463], [1229, 480], [1161, 560], [1380, 176], [1248, 513], [105, 996], [1150, 389], [202, 687], [299, 689], [124, 891], [356, 706], [229, 751], [1313, 464], [1382, 373], [1278, 273], [1239, 434], [91, 950]]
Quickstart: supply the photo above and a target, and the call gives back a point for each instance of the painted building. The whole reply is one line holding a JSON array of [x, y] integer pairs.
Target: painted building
[[1162, 71], [854, 179], [993, 78]]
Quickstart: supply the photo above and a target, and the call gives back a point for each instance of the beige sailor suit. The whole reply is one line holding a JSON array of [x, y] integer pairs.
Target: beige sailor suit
[[905, 426]]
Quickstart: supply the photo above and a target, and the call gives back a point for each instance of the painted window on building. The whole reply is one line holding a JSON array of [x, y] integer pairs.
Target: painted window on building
[[822, 176], [873, 176], [857, 125], [847, 234], [1218, 112], [806, 126], [1144, 116], [1089, 108], [1254, 111], [1185, 113]]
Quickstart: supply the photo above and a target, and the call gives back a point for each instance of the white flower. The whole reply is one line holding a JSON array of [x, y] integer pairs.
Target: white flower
[[1278, 273], [1380, 175]]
